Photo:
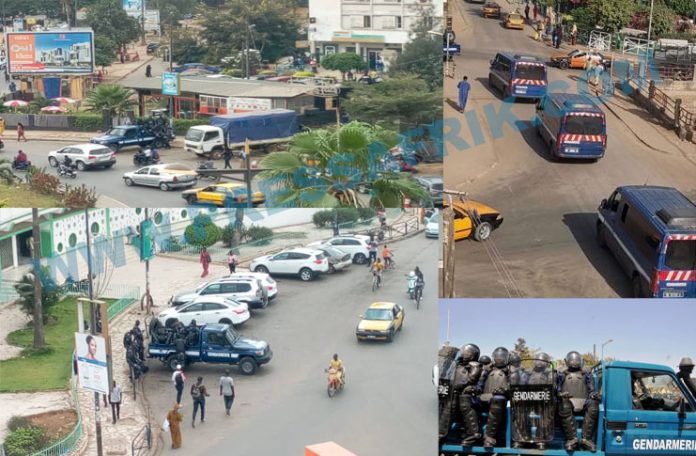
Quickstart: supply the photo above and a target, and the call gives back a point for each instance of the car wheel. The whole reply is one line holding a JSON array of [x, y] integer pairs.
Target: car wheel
[[172, 362], [52, 161], [390, 336], [191, 199], [262, 269], [359, 258], [601, 240], [81, 166], [306, 274], [225, 321], [483, 231], [216, 154], [109, 165], [331, 269], [637, 287], [128, 181], [248, 366], [163, 186], [563, 64]]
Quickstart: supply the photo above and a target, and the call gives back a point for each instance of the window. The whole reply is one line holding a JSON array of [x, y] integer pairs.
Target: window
[[646, 238], [143, 171], [614, 201], [213, 306], [657, 392], [281, 256], [350, 242], [681, 255], [130, 133], [366, 21], [624, 211], [212, 289], [193, 308], [235, 287], [297, 256], [216, 339], [210, 135]]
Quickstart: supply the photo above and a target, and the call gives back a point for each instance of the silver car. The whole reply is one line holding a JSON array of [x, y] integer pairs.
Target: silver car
[[164, 176], [84, 156]]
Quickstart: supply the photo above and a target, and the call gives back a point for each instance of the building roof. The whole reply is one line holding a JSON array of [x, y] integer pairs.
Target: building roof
[[18, 219], [221, 86]]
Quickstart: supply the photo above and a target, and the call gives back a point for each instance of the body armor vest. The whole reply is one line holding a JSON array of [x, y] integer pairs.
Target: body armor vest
[[467, 374], [574, 383], [497, 378]]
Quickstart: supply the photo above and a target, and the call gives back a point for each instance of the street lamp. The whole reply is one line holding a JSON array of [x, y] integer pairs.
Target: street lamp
[[647, 50], [606, 343]]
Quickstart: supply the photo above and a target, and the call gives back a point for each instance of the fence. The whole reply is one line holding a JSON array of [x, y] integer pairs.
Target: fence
[[142, 440]]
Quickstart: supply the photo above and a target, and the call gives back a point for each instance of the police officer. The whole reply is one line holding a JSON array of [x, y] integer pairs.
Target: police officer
[[485, 362], [446, 364], [495, 385], [138, 339], [686, 367], [518, 376], [540, 374], [577, 395], [466, 375]]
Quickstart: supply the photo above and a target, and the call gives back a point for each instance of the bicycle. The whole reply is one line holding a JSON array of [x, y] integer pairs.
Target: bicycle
[[418, 295], [376, 282], [389, 262]]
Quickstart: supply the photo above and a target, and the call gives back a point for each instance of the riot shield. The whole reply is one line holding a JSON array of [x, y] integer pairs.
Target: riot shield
[[533, 405]]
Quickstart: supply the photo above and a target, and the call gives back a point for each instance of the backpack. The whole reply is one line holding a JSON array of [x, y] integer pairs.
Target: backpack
[[195, 391]]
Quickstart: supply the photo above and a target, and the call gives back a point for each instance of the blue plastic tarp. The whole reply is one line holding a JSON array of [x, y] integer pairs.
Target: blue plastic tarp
[[257, 126]]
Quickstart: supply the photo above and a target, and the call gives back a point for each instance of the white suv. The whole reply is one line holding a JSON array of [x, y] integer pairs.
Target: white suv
[[250, 290], [207, 310], [267, 281], [355, 244], [305, 263]]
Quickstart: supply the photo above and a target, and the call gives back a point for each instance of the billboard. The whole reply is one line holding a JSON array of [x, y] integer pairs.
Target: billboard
[[132, 5], [170, 84], [152, 19], [239, 104], [69, 52], [92, 368]]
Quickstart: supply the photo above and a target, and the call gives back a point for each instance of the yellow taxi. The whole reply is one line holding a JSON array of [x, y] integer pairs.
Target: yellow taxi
[[227, 194], [474, 219], [491, 9], [514, 21], [380, 322]]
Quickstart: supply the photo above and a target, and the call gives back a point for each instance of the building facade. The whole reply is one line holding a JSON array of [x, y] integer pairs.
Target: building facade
[[375, 29]]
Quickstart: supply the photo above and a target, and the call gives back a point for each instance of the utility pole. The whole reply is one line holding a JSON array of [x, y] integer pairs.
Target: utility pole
[[246, 53], [93, 327], [39, 340], [647, 49], [147, 270], [142, 21], [171, 68]]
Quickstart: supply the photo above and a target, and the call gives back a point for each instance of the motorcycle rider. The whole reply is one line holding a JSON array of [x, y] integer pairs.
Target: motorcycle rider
[[337, 366], [66, 165], [495, 387], [21, 159], [387, 255], [540, 374], [686, 367], [577, 395]]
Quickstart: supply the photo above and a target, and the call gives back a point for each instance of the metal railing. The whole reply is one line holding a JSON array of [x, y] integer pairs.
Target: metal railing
[[143, 440]]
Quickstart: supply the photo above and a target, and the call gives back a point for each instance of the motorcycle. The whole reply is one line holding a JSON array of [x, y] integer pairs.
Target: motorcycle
[[204, 165], [67, 170], [411, 284], [141, 158], [335, 385], [20, 166]]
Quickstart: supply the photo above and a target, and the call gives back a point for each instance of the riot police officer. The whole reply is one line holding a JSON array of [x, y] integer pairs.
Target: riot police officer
[[577, 395], [540, 374], [686, 367], [445, 369], [518, 376], [485, 361], [495, 387]]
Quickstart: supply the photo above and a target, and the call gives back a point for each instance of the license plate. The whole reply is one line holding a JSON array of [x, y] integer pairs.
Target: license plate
[[104, 158], [521, 89], [673, 294], [371, 337], [572, 150]]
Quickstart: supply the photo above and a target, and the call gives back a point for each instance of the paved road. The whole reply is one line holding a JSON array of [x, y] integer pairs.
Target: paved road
[[546, 242], [388, 406]]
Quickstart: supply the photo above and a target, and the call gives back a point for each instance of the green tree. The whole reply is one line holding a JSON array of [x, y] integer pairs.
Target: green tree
[[112, 96], [343, 62], [104, 51], [323, 167], [423, 54], [186, 48], [6, 173], [526, 353], [399, 103], [663, 19], [613, 14], [108, 18], [50, 292], [583, 17], [202, 232], [37, 103], [172, 11], [685, 8]]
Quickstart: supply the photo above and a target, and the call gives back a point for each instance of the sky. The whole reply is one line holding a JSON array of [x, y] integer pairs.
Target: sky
[[656, 331]]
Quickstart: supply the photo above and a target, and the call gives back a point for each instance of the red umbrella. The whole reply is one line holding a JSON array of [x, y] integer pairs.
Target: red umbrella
[[15, 103], [62, 100], [54, 109]]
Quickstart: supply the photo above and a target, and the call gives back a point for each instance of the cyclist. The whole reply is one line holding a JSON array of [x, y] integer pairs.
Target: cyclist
[[377, 268], [387, 255], [420, 282], [337, 365]]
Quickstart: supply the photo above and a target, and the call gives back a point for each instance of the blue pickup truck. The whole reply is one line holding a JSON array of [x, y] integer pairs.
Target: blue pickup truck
[[218, 344], [644, 409], [123, 136]]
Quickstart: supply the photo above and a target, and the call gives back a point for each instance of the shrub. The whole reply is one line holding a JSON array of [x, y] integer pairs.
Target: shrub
[[181, 126], [43, 182], [366, 213], [228, 235], [88, 122], [17, 422], [25, 440], [172, 245], [234, 72], [80, 197], [261, 234], [303, 74], [267, 72], [323, 218], [347, 215], [202, 232], [51, 293], [3, 203]]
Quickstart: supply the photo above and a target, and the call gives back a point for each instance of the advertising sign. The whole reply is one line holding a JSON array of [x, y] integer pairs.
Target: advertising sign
[[152, 18], [51, 52], [170, 84], [18, 25], [132, 5], [238, 104], [92, 368]]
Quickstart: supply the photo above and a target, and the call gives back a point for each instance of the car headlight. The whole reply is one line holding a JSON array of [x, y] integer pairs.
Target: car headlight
[[259, 352]]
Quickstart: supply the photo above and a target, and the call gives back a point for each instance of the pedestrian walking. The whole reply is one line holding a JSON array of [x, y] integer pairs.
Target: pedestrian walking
[[227, 155], [232, 261], [574, 33], [179, 379], [372, 252], [13, 87], [559, 35], [205, 261], [539, 31], [227, 391], [526, 11], [554, 37], [7, 77], [535, 11], [198, 394], [174, 417], [148, 71], [2, 127], [464, 88], [242, 158], [115, 400], [20, 132]]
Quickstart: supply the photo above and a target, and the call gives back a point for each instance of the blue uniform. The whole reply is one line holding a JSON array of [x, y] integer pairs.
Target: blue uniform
[[464, 88]]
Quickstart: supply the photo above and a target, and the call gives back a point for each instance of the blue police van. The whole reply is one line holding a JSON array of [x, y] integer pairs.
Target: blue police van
[[518, 76], [652, 233], [572, 126]]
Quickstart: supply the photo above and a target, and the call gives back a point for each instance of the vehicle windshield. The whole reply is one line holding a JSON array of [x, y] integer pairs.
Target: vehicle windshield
[[378, 314], [527, 71], [194, 135], [681, 255], [117, 132], [103, 151], [434, 219], [438, 186], [514, 17], [584, 125], [231, 335]]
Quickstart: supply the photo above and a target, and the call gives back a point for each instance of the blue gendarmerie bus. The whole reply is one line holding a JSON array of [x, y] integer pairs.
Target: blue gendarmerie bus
[[518, 76]]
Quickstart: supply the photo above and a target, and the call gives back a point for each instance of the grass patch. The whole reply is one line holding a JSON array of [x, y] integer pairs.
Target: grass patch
[[22, 196], [48, 368], [293, 235]]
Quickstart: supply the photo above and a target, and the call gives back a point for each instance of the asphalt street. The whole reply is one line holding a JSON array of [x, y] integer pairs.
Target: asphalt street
[[388, 405], [546, 244]]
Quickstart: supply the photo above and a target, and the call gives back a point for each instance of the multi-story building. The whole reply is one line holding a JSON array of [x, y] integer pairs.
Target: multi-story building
[[375, 29]]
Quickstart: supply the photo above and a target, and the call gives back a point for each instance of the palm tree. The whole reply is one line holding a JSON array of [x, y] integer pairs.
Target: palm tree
[[324, 168], [37, 103], [6, 173], [114, 97], [39, 340]]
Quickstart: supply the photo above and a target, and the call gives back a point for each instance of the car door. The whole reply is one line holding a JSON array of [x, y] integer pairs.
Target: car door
[[213, 289], [192, 312], [215, 348], [296, 261], [235, 290], [578, 60], [398, 316], [280, 263], [131, 137], [154, 177], [140, 177], [213, 312], [207, 195], [61, 153], [462, 224]]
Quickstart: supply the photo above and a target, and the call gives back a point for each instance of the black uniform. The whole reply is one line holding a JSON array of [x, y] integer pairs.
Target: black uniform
[[577, 395], [495, 387], [686, 368], [464, 379]]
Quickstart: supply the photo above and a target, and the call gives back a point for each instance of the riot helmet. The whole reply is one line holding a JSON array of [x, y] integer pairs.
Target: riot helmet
[[469, 352], [484, 360], [515, 359], [542, 361], [500, 357], [574, 360]]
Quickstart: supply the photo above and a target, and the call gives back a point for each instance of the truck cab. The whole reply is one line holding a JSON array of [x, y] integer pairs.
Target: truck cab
[[124, 136], [644, 410], [216, 343], [205, 140]]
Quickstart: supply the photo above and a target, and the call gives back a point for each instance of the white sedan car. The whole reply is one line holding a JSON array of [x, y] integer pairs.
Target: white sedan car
[[305, 263], [164, 176], [84, 156], [207, 310]]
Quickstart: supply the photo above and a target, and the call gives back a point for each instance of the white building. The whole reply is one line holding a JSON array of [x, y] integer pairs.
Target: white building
[[371, 28]]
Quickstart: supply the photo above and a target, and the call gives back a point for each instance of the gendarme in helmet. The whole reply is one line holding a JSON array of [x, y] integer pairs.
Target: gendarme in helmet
[[515, 359], [469, 352], [574, 360], [542, 361], [484, 360], [501, 357]]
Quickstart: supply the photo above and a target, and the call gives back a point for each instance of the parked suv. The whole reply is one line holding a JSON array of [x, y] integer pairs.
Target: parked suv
[[249, 290], [355, 244], [305, 263], [84, 156]]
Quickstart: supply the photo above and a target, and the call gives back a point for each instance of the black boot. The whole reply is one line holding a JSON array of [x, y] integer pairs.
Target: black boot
[[469, 420], [565, 412], [496, 415], [589, 425]]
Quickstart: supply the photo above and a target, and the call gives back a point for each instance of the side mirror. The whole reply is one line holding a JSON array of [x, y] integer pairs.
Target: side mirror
[[682, 409], [361, 316]]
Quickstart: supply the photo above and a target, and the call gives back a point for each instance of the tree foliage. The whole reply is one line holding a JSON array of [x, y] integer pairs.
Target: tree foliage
[[50, 292], [104, 51], [343, 62], [109, 19], [202, 232], [171, 11], [613, 15], [685, 8], [423, 54], [186, 48], [663, 19], [112, 96]]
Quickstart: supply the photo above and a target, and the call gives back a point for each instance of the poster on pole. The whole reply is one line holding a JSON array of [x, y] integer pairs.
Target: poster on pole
[[92, 368], [68, 52], [170, 84]]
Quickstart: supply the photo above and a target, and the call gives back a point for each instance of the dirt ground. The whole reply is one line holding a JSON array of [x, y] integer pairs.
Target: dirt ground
[[12, 319], [58, 423], [434, 169]]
